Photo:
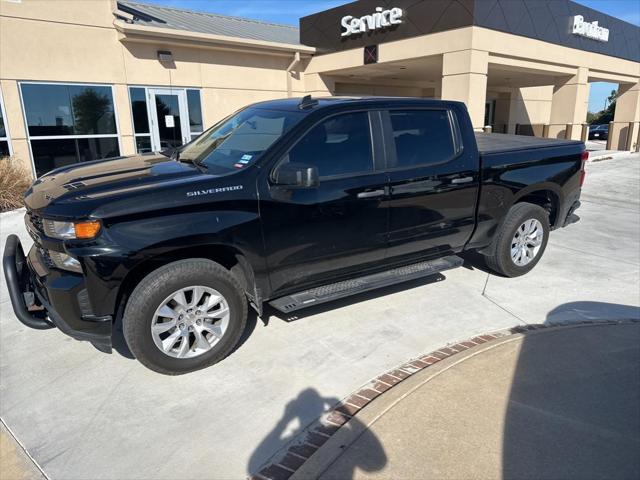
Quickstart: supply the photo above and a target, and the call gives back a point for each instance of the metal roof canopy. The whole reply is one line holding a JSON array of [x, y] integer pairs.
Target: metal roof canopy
[[209, 23]]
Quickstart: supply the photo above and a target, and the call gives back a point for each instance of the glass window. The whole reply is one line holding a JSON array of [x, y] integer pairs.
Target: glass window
[[3, 131], [340, 145], [239, 140], [50, 154], [195, 112], [80, 118], [4, 149], [143, 144], [422, 137], [139, 110], [54, 110]]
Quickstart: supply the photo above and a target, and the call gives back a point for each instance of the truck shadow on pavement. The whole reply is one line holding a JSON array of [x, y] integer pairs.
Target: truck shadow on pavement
[[573, 406], [307, 407]]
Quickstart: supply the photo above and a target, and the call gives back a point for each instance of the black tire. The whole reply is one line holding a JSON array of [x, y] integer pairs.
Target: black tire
[[498, 258], [154, 289]]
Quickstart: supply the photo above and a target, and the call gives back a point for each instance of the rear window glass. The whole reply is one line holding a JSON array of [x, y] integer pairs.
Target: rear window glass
[[422, 137]]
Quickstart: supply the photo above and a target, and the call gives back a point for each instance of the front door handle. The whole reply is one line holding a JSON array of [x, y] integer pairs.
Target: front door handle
[[371, 194], [458, 181]]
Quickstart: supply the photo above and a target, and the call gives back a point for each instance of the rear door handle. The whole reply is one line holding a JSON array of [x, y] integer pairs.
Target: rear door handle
[[458, 181], [371, 194]]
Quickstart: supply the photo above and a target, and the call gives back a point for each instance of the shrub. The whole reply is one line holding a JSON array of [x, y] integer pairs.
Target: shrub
[[14, 181]]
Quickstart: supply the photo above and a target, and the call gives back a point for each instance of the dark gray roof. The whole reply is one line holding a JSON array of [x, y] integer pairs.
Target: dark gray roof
[[201, 22]]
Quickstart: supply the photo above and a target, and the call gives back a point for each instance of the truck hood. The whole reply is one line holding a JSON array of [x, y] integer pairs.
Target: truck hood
[[105, 179]]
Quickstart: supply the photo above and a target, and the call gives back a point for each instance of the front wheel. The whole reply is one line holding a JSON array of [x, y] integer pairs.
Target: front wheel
[[185, 316], [520, 241]]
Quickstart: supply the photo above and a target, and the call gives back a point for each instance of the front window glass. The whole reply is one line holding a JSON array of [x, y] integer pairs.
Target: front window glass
[[340, 145], [239, 140]]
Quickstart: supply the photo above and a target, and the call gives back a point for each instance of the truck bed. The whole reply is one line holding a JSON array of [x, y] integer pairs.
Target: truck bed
[[489, 143]]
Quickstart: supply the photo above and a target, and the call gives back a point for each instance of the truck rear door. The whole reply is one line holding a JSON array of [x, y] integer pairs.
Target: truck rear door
[[434, 181]]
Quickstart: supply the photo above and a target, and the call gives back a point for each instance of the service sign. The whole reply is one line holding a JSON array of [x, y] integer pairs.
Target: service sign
[[590, 30], [380, 19]]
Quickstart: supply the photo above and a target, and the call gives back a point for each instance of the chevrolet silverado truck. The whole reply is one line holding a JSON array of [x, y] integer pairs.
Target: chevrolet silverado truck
[[290, 203]]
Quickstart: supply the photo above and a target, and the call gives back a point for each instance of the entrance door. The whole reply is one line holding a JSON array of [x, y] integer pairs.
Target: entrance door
[[169, 118]]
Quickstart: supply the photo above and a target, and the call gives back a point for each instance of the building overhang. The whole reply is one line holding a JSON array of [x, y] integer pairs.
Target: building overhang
[[130, 32]]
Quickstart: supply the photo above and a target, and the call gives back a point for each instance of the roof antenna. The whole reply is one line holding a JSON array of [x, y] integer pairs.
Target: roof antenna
[[307, 102]]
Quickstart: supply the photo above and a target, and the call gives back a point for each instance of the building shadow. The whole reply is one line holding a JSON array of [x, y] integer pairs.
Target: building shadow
[[290, 430], [574, 404]]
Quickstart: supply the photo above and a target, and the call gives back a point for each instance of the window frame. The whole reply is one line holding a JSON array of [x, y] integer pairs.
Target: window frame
[[391, 151], [375, 130], [30, 137], [7, 137]]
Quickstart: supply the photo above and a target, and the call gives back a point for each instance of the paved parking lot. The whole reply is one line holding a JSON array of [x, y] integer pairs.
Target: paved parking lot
[[81, 413]]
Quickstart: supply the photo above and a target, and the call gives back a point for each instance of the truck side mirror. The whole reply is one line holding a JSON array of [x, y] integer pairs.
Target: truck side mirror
[[296, 175]]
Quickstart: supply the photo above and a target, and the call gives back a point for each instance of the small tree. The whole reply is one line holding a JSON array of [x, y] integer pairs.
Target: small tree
[[90, 110], [606, 115]]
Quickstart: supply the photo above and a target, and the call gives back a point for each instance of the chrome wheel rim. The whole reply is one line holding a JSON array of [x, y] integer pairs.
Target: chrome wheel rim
[[527, 242], [190, 321]]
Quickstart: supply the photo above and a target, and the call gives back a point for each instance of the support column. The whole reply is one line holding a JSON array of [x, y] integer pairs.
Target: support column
[[569, 105], [464, 79], [624, 136]]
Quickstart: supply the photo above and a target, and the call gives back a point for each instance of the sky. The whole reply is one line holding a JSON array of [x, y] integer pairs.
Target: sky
[[290, 11]]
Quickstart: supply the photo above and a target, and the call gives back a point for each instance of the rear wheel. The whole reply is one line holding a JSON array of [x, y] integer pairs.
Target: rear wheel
[[520, 241], [185, 316]]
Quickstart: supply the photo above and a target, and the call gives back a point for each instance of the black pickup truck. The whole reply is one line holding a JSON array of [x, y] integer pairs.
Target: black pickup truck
[[290, 202]]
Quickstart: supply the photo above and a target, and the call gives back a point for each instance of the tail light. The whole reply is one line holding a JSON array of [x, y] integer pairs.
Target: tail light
[[584, 157]]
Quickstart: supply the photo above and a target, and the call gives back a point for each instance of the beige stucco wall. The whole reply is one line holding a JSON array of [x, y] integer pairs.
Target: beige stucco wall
[[42, 40]]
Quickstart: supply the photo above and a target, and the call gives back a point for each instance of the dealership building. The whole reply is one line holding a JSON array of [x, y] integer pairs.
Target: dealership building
[[103, 78]]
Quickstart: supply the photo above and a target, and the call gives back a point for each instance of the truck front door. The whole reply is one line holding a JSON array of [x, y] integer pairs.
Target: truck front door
[[433, 182], [313, 235]]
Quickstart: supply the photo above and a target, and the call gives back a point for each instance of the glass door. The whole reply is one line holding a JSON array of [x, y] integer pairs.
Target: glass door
[[169, 118]]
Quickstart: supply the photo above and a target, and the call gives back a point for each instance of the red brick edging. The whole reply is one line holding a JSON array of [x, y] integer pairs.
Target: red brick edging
[[320, 431]]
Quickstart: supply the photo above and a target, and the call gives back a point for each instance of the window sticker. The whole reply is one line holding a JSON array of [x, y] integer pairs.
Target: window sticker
[[247, 157]]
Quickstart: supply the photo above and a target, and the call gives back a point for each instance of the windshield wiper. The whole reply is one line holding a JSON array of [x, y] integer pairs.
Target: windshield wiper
[[176, 156]]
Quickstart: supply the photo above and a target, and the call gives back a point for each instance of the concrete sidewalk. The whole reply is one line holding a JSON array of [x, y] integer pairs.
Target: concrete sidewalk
[[555, 403]]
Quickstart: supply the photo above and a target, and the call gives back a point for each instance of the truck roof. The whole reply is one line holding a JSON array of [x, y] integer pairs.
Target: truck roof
[[314, 103]]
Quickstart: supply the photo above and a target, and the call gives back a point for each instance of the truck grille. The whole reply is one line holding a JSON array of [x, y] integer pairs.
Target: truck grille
[[35, 221], [46, 258]]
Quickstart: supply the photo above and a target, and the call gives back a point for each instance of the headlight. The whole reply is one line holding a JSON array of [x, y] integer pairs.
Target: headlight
[[71, 230], [64, 261]]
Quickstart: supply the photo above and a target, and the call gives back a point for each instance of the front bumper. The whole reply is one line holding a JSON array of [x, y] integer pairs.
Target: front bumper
[[45, 298]]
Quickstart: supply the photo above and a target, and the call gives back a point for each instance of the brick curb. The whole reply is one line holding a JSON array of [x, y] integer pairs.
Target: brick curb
[[327, 425]]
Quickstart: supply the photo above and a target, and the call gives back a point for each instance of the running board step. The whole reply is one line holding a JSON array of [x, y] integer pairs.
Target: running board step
[[346, 288]]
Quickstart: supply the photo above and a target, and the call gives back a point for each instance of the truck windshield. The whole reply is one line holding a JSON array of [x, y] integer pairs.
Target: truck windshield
[[239, 140]]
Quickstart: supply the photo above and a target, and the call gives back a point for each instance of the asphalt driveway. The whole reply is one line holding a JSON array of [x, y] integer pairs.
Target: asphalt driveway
[[81, 413]]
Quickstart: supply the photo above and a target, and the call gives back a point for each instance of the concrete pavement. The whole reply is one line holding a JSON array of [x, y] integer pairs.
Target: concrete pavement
[[554, 403], [81, 413]]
